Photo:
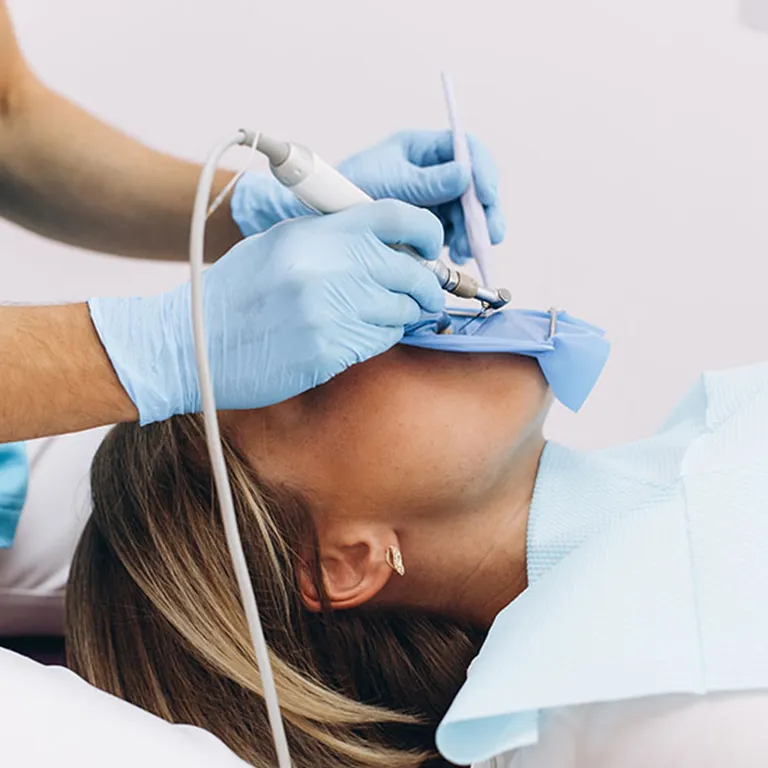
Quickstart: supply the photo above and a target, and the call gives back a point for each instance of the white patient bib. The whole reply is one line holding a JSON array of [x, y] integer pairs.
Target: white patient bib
[[648, 575], [718, 730]]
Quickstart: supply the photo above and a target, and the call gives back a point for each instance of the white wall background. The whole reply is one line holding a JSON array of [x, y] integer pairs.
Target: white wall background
[[632, 137]]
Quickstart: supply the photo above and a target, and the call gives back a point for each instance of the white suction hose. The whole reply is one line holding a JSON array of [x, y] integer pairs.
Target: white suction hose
[[213, 439], [323, 188]]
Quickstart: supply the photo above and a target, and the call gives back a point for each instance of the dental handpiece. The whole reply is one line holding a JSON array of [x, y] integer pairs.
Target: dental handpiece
[[322, 188]]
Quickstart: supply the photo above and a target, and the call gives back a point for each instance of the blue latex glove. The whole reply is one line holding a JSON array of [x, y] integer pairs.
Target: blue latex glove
[[414, 166], [284, 311]]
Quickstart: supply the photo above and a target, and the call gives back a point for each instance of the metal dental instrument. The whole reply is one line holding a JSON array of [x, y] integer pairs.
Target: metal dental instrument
[[474, 214], [553, 311], [325, 190]]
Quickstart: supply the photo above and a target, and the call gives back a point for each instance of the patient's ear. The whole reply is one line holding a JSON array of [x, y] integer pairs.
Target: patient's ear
[[353, 565]]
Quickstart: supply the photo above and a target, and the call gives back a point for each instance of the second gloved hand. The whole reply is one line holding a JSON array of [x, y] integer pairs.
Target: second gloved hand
[[414, 166], [284, 311]]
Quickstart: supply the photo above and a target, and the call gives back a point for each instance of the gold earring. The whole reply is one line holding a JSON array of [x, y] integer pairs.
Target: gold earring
[[394, 560]]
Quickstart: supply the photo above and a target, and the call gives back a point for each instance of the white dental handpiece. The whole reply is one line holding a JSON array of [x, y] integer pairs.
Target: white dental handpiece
[[322, 188]]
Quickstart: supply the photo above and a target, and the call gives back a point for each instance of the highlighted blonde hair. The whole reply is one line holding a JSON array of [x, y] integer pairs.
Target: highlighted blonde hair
[[153, 616]]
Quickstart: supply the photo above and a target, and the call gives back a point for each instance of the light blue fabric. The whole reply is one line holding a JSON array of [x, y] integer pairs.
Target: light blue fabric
[[648, 574], [572, 359], [14, 478]]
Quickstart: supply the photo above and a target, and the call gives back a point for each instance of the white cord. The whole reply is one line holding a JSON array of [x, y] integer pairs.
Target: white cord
[[213, 438], [231, 183]]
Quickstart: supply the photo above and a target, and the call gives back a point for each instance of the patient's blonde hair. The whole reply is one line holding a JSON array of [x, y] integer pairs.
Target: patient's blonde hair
[[153, 615]]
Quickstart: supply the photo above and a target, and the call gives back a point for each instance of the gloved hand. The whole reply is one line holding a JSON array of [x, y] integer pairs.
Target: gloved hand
[[284, 311], [414, 166]]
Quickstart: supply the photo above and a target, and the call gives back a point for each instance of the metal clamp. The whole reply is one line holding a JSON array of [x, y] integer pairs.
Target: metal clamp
[[553, 312]]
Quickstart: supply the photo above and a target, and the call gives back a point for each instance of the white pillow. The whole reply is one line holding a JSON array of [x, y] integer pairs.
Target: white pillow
[[51, 717], [33, 572]]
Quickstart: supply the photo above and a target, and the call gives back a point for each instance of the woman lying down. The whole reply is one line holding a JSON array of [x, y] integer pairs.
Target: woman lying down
[[395, 515]]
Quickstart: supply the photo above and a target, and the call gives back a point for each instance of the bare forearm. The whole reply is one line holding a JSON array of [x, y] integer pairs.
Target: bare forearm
[[70, 177], [55, 376]]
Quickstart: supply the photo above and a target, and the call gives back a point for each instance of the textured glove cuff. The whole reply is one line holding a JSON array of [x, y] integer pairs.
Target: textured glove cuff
[[149, 343]]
